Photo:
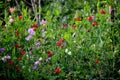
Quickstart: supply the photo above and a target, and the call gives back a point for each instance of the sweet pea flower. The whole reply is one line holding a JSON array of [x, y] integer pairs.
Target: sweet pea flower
[[31, 31], [8, 57], [97, 61], [12, 10], [30, 52], [37, 62], [28, 37], [2, 50], [102, 12], [35, 67], [4, 59], [93, 17], [58, 70], [90, 19], [74, 35], [20, 17], [69, 53], [11, 20], [43, 22], [66, 50], [37, 44], [40, 59]]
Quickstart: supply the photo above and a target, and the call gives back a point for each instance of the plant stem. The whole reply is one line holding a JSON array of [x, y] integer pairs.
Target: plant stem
[[18, 5], [39, 15]]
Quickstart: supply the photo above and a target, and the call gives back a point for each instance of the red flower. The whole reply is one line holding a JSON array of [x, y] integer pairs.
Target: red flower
[[102, 12], [74, 26], [8, 67], [94, 24], [34, 26], [78, 19], [17, 46], [19, 59], [50, 54], [65, 25], [90, 18], [96, 61], [17, 68], [16, 33], [58, 70], [20, 17], [59, 43], [22, 52], [11, 62]]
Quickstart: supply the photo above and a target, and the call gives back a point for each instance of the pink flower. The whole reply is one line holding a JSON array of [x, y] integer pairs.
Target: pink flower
[[43, 22], [12, 10], [11, 20], [93, 17]]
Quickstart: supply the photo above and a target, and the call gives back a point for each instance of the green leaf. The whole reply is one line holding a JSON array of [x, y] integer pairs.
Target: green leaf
[[0, 23]]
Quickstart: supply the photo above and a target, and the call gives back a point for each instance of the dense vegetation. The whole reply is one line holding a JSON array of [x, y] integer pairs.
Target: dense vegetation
[[59, 39]]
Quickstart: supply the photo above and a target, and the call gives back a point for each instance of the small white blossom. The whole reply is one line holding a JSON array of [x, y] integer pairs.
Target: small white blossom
[[69, 53]]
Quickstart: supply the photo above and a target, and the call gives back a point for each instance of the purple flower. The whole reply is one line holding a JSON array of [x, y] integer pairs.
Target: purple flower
[[37, 44], [112, 11], [35, 67], [2, 50], [28, 37], [8, 57], [31, 31], [30, 52], [37, 62]]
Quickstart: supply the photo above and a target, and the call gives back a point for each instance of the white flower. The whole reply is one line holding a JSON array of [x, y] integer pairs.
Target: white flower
[[69, 53], [40, 59], [74, 41], [74, 35], [66, 50], [37, 62]]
